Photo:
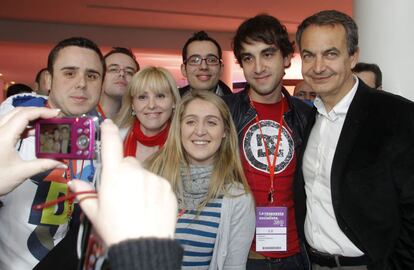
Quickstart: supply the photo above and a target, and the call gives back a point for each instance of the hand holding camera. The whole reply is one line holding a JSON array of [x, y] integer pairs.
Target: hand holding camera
[[132, 202], [13, 169], [67, 138]]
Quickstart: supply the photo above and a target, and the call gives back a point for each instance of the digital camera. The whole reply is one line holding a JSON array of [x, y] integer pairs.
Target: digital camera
[[67, 138]]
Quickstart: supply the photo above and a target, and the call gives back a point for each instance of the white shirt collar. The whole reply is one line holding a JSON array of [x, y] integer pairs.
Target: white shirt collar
[[341, 108]]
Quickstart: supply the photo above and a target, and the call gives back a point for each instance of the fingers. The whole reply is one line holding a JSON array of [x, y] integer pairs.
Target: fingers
[[9, 115], [17, 120], [112, 155], [36, 166], [26, 114], [166, 201], [156, 196], [89, 206], [24, 170], [171, 209], [112, 148]]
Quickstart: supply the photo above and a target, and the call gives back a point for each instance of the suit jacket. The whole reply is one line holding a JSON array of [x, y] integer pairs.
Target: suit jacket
[[372, 178]]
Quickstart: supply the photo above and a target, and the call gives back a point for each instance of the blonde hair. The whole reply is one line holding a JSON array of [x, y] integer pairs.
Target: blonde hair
[[150, 78], [227, 168]]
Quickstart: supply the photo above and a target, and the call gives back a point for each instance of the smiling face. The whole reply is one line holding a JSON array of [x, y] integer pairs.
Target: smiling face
[[326, 63], [153, 109], [203, 76], [263, 67], [76, 83], [304, 91], [202, 131], [119, 71]]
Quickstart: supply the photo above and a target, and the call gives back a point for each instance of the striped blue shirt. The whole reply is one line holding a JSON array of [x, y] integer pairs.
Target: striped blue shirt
[[197, 235]]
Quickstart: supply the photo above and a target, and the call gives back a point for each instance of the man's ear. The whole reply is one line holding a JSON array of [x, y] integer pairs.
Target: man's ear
[[354, 58], [36, 86], [287, 60], [48, 79], [183, 70]]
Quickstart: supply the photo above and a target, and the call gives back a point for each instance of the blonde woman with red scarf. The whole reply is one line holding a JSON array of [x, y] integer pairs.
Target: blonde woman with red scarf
[[146, 112]]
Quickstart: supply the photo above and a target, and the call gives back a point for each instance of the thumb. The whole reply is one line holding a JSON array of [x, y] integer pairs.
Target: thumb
[[88, 205], [36, 166]]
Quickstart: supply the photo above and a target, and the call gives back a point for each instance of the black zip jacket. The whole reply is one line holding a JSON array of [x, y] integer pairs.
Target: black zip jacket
[[243, 113]]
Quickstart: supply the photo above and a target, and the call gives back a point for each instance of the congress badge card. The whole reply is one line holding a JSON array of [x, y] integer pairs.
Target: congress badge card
[[271, 228]]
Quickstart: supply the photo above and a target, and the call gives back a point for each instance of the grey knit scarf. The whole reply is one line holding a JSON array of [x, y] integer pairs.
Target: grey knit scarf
[[195, 185]]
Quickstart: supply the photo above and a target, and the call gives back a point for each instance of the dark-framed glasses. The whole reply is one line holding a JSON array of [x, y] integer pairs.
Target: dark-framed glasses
[[117, 70], [196, 60]]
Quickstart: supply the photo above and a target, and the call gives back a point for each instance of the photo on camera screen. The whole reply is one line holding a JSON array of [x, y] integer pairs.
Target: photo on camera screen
[[55, 138]]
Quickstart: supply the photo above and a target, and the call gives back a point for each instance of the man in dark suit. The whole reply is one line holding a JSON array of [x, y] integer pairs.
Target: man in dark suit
[[355, 192]]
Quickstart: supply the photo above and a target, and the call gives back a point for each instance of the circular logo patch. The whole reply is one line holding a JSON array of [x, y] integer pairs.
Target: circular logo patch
[[254, 148]]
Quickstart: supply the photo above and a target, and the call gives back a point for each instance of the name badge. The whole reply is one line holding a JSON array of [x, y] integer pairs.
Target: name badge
[[271, 228]]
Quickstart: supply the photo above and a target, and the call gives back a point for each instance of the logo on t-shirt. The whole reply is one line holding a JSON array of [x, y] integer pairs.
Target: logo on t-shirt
[[254, 149]]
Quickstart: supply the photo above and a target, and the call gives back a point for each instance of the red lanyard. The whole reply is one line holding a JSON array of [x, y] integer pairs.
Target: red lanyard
[[181, 213], [69, 178], [271, 165], [70, 197], [101, 112]]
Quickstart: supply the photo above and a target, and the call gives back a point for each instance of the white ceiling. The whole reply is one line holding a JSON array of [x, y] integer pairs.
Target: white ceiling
[[155, 29]]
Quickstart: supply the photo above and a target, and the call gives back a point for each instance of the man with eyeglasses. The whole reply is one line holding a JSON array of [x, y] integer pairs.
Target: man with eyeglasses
[[202, 65], [121, 65]]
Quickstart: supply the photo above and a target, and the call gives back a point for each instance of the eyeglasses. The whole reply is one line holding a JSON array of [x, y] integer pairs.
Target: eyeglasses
[[117, 70], [196, 60]]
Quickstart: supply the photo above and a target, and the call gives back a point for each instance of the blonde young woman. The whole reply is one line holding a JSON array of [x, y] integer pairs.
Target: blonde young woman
[[146, 111], [200, 158]]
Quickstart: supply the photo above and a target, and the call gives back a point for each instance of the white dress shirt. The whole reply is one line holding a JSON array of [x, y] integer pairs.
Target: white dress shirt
[[321, 227]]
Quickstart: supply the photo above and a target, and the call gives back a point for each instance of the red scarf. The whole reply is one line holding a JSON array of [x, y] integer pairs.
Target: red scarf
[[135, 135]]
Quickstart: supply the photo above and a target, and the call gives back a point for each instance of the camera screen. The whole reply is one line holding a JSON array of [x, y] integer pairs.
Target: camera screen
[[55, 138]]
